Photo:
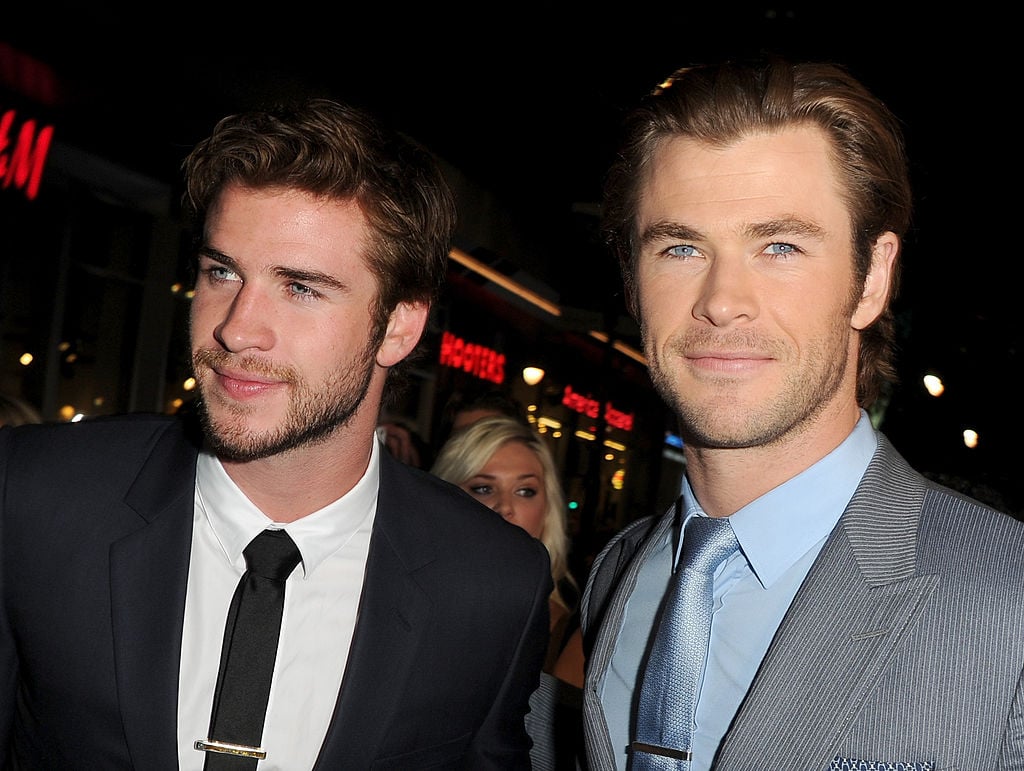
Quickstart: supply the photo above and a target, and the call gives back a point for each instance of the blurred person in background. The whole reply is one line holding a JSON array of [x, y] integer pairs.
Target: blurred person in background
[[465, 407], [17, 412], [415, 621], [403, 442], [505, 464]]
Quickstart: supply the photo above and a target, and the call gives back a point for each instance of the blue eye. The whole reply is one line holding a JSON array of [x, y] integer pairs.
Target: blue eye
[[682, 250], [220, 273], [302, 290], [781, 249]]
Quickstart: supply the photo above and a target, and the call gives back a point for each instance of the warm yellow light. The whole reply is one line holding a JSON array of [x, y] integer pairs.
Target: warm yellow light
[[532, 375], [189, 384], [615, 445], [585, 435], [26, 358], [549, 422], [504, 282], [970, 438], [67, 412], [934, 385], [621, 347]]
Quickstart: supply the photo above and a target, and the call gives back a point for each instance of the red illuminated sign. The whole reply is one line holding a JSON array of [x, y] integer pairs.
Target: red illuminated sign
[[21, 162], [477, 360], [590, 407]]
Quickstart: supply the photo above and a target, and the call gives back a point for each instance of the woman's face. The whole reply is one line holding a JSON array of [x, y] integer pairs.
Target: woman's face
[[512, 483]]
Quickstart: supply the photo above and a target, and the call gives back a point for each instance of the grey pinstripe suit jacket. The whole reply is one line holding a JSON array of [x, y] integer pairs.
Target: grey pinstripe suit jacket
[[905, 642]]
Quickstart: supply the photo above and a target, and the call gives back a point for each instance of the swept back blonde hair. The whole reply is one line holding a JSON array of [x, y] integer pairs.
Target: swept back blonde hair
[[468, 450]]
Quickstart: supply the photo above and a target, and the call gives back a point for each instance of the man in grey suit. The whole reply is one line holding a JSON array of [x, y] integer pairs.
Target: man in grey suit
[[866, 618], [416, 620]]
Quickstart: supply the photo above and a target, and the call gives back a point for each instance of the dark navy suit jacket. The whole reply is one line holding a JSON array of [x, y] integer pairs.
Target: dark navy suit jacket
[[95, 534]]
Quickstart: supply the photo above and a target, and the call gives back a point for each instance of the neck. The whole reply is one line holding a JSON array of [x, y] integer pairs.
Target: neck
[[725, 480], [294, 484]]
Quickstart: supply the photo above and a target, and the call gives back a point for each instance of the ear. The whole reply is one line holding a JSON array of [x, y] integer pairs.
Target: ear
[[878, 282], [405, 327]]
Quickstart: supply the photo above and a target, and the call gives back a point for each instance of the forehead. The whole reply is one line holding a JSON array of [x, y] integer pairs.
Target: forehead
[[789, 172], [514, 456], [277, 220]]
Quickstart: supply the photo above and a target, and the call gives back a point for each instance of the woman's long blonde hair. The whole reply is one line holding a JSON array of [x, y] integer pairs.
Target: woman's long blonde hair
[[469, 449]]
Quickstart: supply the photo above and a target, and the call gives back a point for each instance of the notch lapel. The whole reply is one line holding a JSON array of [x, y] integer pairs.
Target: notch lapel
[[148, 579], [624, 550], [843, 628], [394, 611]]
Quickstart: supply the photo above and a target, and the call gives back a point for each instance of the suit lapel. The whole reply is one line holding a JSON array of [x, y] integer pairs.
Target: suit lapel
[[148, 578], [394, 610], [844, 626], [621, 550]]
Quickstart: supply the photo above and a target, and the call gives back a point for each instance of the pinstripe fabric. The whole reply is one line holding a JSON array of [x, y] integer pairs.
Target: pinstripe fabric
[[905, 642], [617, 555]]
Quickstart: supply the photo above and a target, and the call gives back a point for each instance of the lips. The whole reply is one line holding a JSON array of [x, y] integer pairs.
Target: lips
[[700, 354], [734, 362], [243, 376], [243, 385]]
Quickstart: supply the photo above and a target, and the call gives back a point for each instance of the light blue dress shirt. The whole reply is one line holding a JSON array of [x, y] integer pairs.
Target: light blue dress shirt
[[780, 535]]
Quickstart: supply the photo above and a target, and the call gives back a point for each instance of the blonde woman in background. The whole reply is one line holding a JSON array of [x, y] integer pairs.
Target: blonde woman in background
[[505, 464]]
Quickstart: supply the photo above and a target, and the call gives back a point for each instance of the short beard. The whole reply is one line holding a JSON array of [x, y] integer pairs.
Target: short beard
[[314, 414], [804, 395]]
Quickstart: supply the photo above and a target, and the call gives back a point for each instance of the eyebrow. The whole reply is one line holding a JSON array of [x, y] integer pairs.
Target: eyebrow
[[520, 477], [793, 226], [292, 274], [666, 230]]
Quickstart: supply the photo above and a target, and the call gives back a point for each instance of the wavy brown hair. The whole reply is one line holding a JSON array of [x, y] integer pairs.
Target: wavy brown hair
[[343, 153]]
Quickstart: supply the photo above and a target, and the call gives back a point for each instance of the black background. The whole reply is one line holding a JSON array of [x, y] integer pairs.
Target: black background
[[524, 101]]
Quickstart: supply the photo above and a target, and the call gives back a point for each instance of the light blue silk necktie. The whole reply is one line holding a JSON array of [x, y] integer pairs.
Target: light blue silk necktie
[[668, 696]]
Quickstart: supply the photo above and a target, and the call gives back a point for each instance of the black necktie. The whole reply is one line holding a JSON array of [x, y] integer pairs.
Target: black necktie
[[247, 657]]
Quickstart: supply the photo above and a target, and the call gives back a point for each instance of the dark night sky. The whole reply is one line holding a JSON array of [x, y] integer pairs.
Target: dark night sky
[[524, 102]]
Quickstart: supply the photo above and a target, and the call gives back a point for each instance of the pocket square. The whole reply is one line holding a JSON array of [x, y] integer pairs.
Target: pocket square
[[853, 764]]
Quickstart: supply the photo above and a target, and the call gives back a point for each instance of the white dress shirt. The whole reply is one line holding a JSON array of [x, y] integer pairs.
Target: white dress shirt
[[321, 600]]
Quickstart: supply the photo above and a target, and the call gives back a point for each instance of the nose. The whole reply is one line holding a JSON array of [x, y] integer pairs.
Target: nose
[[246, 323], [727, 293], [504, 506]]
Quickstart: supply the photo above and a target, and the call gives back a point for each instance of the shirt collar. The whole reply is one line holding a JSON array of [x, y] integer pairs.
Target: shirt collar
[[777, 529], [235, 520]]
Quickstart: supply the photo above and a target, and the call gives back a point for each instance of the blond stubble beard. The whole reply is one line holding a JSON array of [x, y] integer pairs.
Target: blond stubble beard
[[805, 393], [314, 413]]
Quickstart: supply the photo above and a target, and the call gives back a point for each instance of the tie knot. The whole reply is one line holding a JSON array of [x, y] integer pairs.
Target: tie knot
[[272, 554], [706, 542]]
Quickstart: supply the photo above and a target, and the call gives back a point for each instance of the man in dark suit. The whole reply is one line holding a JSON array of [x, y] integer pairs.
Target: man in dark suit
[[861, 616], [415, 624]]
